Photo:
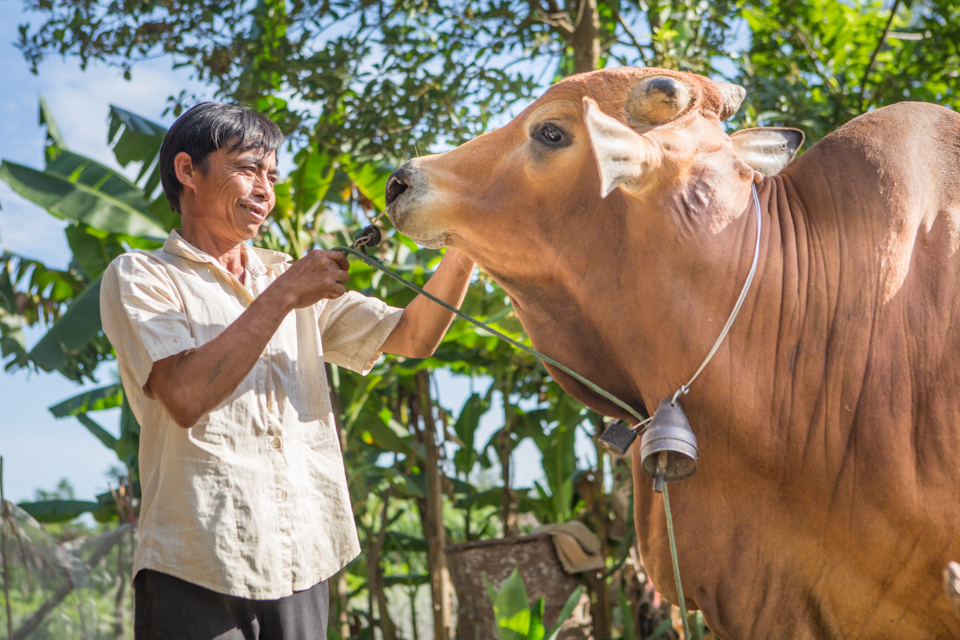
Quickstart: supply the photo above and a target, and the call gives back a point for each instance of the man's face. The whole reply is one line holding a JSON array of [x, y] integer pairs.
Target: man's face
[[234, 194]]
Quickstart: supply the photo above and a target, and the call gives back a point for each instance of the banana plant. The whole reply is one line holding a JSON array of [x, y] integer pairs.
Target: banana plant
[[516, 619], [107, 214]]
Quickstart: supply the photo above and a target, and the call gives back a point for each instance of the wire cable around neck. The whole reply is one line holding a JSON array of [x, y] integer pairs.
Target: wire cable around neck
[[685, 389]]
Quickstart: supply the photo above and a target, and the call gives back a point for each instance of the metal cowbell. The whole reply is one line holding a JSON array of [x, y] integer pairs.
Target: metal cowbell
[[668, 448]]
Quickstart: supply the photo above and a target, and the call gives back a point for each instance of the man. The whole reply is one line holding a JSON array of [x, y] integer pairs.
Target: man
[[221, 347]]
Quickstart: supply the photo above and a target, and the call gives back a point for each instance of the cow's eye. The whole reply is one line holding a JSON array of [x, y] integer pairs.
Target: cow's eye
[[551, 134]]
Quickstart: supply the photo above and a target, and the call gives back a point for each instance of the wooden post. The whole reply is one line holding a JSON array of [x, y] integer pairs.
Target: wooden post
[[440, 585]]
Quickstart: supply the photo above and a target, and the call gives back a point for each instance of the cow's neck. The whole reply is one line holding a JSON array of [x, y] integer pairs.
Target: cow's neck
[[638, 323]]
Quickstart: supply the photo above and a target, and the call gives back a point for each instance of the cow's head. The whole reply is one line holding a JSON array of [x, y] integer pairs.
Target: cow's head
[[594, 148]]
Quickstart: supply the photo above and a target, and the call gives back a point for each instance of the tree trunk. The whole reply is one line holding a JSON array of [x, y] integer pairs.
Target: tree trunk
[[336, 406], [413, 613], [601, 609], [375, 583], [338, 604], [118, 603], [338, 583], [586, 37], [106, 543], [440, 585], [504, 449]]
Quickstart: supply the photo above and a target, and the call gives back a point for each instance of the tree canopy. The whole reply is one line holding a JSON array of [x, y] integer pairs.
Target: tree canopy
[[360, 86], [385, 80]]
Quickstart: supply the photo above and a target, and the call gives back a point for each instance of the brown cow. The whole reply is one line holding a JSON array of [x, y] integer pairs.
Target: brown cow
[[827, 501]]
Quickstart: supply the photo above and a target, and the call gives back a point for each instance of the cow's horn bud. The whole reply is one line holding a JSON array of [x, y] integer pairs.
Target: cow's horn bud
[[657, 99], [733, 95]]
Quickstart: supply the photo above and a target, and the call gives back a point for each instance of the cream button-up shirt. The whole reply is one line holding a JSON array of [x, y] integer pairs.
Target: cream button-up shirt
[[252, 501]]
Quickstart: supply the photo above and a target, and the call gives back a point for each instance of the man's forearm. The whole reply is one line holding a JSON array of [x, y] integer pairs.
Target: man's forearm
[[424, 322], [190, 385]]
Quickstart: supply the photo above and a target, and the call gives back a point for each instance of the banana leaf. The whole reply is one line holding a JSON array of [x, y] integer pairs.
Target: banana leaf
[[54, 142], [108, 397], [371, 180], [98, 432], [109, 202], [59, 510], [139, 141], [76, 328]]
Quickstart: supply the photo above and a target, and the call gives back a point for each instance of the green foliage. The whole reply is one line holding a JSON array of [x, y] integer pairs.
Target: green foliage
[[465, 430], [366, 85], [109, 215], [816, 65], [77, 330], [136, 139], [515, 619], [76, 188]]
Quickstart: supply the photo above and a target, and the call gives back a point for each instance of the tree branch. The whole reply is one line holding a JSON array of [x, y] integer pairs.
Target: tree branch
[[105, 544], [811, 53], [626, 28], [873, 56], [556, 18]]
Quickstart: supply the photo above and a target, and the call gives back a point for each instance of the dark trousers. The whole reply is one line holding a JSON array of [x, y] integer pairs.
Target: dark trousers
[[168, 608]]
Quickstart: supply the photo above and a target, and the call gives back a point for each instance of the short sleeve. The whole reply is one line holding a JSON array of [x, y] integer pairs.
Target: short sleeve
[[353, 328], [143, 314]]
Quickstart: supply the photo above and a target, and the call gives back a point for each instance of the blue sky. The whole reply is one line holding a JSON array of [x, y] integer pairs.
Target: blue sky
[[39, 450]]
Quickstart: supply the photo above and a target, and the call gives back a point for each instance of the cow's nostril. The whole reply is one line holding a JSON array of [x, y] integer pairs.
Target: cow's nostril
[[396, 185]]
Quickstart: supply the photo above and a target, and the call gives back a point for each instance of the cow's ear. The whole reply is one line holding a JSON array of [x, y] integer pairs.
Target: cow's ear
[[768, 149], [623, 155]]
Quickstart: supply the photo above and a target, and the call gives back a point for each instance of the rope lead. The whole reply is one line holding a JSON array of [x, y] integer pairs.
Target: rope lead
[[376, 264]]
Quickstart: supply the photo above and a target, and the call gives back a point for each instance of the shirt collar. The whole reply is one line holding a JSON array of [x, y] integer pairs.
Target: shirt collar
[[257, 260]]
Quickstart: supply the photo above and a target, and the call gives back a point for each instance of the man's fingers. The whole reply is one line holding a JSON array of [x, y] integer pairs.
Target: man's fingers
[[337, 292], [339, 258]]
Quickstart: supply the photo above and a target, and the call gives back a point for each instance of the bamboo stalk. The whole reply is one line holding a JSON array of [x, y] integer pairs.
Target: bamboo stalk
[[3, 550]]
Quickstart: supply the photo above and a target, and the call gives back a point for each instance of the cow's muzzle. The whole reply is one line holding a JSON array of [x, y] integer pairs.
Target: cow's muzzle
[[397, 184]]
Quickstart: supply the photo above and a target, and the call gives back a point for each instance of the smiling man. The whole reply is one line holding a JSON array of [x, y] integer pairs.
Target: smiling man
[[221, 347]]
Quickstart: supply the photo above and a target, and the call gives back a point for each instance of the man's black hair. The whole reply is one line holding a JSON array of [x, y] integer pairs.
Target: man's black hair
[[204, 129]]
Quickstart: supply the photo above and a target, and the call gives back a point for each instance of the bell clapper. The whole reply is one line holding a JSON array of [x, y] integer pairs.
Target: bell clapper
[[658, 480]]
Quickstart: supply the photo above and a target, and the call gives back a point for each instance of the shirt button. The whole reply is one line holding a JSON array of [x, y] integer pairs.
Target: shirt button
[[275, 443]]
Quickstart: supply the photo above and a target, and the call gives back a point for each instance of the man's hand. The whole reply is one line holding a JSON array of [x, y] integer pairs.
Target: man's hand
[[319, 275]]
